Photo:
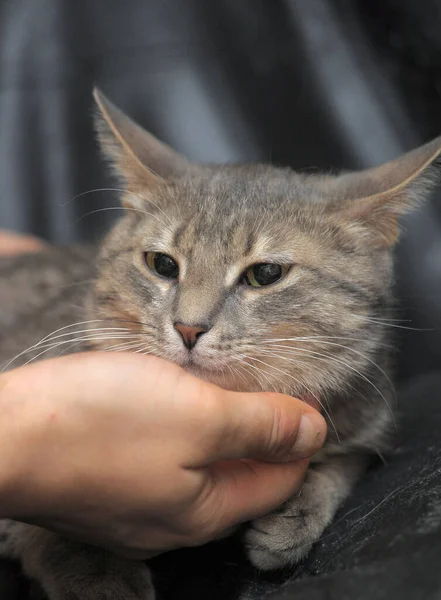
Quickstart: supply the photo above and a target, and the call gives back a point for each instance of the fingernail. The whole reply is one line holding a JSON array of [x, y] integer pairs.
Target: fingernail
[[310, 436]]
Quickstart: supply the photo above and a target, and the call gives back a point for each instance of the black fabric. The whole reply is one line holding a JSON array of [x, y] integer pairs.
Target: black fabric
[[385, 542], [323, 84]]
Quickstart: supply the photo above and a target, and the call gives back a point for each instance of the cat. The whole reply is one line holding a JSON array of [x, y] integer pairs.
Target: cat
[[250, 276]]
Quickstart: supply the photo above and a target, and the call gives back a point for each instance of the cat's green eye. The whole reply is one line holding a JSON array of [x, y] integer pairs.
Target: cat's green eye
[[264, 274], [162, 264]]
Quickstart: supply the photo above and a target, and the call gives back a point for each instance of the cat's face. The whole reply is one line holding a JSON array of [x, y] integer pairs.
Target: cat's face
[[275, 286], [249, 276]]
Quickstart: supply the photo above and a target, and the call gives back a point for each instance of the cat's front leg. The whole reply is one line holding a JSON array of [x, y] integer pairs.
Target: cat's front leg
[[285, 536], [69, 570]]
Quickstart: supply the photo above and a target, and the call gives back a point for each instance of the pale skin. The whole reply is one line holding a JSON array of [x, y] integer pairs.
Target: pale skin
[[92, 440]]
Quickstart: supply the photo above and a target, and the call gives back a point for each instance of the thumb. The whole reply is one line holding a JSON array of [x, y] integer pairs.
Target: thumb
[[266, 426]]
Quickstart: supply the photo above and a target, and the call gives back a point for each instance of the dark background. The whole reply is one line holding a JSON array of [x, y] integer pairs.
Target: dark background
[[314, 84]]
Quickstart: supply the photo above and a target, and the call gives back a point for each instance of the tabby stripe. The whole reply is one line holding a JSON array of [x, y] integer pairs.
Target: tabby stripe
[[352, 288]]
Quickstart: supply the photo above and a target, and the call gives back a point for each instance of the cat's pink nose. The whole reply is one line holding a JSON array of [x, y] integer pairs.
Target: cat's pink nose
[[190, 333]]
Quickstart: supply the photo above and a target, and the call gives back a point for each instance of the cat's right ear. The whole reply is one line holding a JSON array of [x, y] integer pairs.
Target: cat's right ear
[[137, 157]]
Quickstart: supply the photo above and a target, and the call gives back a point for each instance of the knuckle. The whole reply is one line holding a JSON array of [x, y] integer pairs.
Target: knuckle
[[283, 433], [275, 431]]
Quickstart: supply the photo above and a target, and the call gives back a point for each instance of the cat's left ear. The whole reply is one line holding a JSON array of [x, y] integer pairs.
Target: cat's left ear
[[373, 200], [139, 159]]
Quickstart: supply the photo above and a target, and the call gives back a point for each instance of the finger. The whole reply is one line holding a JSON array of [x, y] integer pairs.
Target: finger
[[271, 427], [13, 243], [242, 490]]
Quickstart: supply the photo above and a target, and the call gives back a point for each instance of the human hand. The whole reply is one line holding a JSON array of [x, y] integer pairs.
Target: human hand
[[136, 455], [16, 243]]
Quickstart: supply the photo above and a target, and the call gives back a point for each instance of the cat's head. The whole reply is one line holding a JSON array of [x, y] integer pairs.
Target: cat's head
[[252, 276]]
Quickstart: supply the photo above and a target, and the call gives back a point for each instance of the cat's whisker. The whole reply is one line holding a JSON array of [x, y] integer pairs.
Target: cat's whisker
[[306, 388], [304, 365], [66, 349], [71, 325], [322, 337], [135, 347], [146, 348], [23, 353], [108, 189], [52, 347], [110, 330], [246, 354], [236, 373], [298, 363], [49, 339], [87, 338], [356, 352], [242, 372], [261, 373], [245, 365], [340, 361], [122, 347], [125, 208], [295, 359], [265, 377], [78, 340], [48, 346], [395, 320], [92, 330], [326, 357], [222, 373], [115, 319], [382, 323], [121, 191]]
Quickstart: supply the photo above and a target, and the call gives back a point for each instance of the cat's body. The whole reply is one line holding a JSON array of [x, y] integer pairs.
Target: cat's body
[[319, 329]]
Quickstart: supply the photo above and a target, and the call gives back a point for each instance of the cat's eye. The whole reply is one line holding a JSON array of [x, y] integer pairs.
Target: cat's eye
[[162, 264], [264, 274]]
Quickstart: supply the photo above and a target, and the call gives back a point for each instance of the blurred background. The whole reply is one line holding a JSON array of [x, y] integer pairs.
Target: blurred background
[[316, 84]]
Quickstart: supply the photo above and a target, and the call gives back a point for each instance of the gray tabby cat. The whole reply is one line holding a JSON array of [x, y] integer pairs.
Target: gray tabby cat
[[250, 276]]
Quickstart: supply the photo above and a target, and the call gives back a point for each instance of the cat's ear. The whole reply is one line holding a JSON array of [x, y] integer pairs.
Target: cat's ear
[[141, 160], [373, 200]]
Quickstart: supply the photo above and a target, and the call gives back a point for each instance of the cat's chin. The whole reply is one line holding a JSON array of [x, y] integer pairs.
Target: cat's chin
[[221, 378], [212, 375], [215, 376]]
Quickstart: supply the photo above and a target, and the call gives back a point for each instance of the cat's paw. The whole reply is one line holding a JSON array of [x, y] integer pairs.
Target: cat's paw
[[108, 587], [69, 570], [283, 538]]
